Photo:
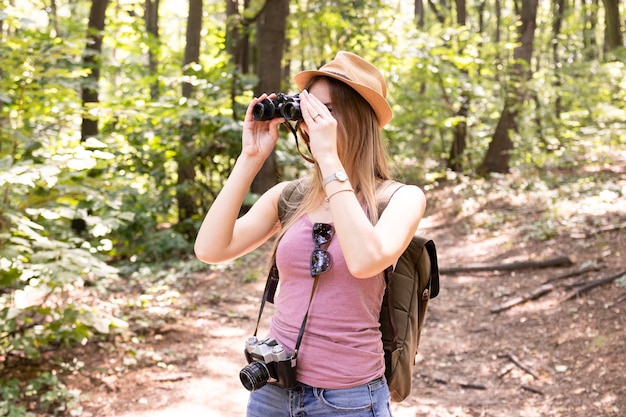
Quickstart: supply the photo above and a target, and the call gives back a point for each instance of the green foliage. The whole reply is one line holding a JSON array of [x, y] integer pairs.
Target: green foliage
[[45, 395], [46, 185]]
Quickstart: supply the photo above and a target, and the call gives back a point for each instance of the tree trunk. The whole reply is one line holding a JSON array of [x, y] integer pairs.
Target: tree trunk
[[238, 47], [498, 13], [91, 61], [419, 13], [237, 28], [270, 45], [459, 142], [559, 10], [501, 145], [192, 40], [151, 18], [187, 206], [613, 27], [441, 18], [54, 18], [590, 20]]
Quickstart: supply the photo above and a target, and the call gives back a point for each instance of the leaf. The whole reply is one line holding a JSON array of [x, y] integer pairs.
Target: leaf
[[8, 277]]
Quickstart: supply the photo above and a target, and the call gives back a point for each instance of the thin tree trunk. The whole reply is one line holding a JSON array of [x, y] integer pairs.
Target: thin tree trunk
[[152, 27], [270, 45], [613, 28], [187, 206], [501, 146], [54, 18], [91, 61], [419, 13], [438, 14], [590, 20], [559, 10], [459, 142]]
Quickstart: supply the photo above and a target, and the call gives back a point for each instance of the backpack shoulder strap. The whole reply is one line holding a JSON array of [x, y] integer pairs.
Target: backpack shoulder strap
[[289, 198], [384, 192]]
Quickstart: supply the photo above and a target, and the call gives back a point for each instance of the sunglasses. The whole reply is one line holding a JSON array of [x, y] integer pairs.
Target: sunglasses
[[321, 261]]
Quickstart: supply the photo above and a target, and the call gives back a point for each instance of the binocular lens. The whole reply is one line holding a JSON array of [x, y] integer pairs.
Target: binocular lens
[[263, 110], [254, 376], [291, 111]]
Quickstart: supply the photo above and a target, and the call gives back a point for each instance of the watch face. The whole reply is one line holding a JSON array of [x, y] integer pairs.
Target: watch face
[[341, 176]]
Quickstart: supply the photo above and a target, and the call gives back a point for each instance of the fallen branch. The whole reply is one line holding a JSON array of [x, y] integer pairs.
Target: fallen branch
[[533, 295], [532, 389], [593, 284], [558, 261], [521, 365], [590, 268], [472, 385]]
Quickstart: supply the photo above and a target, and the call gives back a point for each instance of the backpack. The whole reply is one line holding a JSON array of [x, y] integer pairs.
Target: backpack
[[411, 282]]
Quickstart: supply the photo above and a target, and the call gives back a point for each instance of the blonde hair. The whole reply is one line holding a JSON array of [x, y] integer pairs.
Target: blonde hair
[[361, 151]]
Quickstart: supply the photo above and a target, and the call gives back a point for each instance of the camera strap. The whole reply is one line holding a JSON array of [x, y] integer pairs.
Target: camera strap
[[295, 135], [270, 287], [306, 316]]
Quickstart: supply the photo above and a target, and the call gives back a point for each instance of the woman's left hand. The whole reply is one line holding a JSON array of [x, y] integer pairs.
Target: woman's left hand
[[321, 126]]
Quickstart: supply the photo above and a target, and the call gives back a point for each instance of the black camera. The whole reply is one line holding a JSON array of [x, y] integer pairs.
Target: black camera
[[282, 106], [268, 361]]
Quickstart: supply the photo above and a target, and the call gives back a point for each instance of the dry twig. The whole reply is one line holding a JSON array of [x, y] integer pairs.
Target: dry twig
[[532, 389], [521, 365], [532, 295], [590, 268], [590, 285]]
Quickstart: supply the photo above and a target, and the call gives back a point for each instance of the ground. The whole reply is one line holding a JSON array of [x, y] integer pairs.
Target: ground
[[551, 356]]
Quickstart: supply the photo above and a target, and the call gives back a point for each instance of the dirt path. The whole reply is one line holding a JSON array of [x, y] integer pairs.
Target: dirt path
[[541, 358]]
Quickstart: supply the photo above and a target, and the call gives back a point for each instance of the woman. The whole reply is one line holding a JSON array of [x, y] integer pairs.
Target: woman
[[340, 365]]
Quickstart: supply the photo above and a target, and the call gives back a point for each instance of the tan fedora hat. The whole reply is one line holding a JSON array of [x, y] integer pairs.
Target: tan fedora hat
[[359, 74]]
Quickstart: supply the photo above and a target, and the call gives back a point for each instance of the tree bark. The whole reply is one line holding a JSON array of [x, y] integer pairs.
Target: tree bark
[[151, 18], [559, 10], [237, 36], [270, 45], [419, 13], [459, 142], [590, 19], [501, 146], [91, 61], [187, 206], [613, 27]]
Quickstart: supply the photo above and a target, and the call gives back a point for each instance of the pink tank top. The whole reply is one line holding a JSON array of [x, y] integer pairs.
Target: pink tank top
[[342, 346]]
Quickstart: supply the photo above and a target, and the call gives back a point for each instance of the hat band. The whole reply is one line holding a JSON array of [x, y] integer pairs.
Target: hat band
[[339, 74]]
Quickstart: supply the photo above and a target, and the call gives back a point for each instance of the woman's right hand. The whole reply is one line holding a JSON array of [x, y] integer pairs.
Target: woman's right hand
[[259, 137]]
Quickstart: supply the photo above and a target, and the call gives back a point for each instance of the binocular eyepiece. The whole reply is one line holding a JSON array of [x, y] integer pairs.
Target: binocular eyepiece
[[287, 106]]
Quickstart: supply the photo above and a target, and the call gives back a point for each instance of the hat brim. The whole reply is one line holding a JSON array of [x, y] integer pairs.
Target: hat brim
[[376, 101]]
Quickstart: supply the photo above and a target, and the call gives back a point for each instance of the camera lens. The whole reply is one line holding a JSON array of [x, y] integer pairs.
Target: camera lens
[[254, 376], [264, 110], [291, 111]]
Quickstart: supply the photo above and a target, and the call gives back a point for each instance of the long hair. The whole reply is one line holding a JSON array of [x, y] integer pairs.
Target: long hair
[[361, 151]]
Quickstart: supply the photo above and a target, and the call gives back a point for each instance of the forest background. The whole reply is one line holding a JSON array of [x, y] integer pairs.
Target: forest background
[[120, 121]]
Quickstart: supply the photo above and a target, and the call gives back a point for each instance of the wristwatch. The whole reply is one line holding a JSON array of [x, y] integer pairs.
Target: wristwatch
[[339, 175]]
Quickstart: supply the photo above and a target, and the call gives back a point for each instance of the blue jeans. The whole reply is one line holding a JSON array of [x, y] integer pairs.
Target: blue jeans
[[367, 400]]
